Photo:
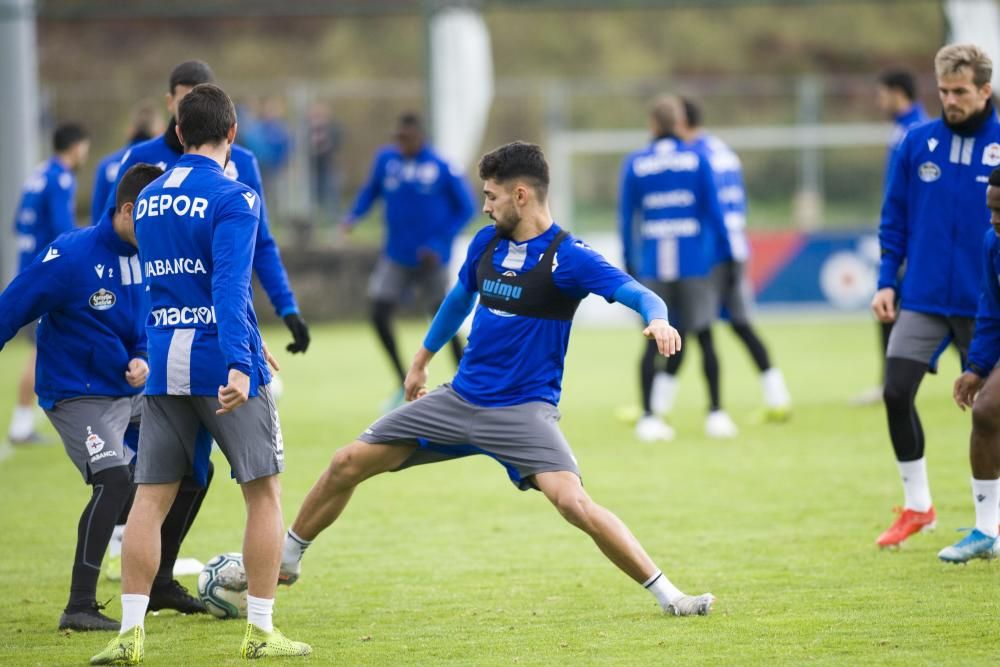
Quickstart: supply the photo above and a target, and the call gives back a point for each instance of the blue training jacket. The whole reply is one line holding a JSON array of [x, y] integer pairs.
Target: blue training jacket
[[242, 167], [45, 210], [427, 202], [984, 352], [196, 230], [105, 178], [728, 172], [935, 214], [901, 124], [681, 232], [87, 289]]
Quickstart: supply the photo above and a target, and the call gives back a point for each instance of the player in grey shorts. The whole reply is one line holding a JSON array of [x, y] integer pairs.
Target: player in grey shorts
[[530, 277], [93, 428], [250, 439], [524, 438]]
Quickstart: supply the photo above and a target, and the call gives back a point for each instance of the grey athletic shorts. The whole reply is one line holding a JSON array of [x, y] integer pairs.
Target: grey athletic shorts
[[29, 332], [390, 281], [249, 437], [693, 303], [92, 429], [524, 438], [735, 291], [922, 337]]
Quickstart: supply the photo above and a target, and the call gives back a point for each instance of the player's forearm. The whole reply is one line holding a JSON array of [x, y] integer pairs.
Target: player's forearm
[[449, 317], [642, 301]]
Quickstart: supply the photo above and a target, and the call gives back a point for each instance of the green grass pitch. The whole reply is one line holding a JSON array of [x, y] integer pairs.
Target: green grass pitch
[[450, 565]]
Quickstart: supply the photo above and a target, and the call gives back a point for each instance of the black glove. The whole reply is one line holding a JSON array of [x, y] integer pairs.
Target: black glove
[[300, 333]]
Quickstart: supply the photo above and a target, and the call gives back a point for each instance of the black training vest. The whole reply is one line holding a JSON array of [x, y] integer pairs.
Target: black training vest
[[532, 293]]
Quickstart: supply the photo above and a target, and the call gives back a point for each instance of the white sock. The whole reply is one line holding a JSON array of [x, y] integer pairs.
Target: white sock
[[260, 612], [663, 393], [293, 548], [22, 422], [133, 610], [775, 392], [985, 496], [115, 545], [661, 588], [916, 490]]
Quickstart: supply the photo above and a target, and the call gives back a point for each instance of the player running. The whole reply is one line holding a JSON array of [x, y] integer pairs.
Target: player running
[[164, 151], [88, 291], [933, 219], [669, 188], [45, 212], [730, 274], [530, 276], [196, 231], [427, 202], [979, 388]]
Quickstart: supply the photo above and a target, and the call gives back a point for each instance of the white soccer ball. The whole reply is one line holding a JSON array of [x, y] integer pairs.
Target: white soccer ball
[[222, 586]]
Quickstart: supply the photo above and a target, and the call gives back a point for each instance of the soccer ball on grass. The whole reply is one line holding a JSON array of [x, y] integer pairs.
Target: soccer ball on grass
[[222, 586]]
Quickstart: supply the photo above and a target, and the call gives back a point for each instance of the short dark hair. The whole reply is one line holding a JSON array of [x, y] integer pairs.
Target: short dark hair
[[517, 159], [410, 119], [901, 80], [995, 177], [68, 135], [190, 73], [692, 111], [205, 115], [133, 181]]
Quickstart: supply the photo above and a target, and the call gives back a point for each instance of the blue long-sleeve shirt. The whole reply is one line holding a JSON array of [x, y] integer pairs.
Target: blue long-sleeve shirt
[[197, 230], [243, 168], [45, 210], [105, 179], [984, 352], [87, 289], [728, 172], [427, 202], [935, 214], [901, 124], [671, 189]]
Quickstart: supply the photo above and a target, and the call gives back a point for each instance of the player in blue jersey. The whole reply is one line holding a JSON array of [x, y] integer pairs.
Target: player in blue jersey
[[897, 99], [673, 232], [427, 202], [88, 290], [45, 211], [934, 219], [146, 123], [208, 368], [978, 387], [530, 276], [730, 274], [164, 151]]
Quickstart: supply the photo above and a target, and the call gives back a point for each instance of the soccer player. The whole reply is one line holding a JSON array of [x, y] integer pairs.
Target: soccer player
[[933, 218], [735, 291], [88, 290], [670, 188], [146, 124], [45, 212], [427, 202], [164, 151], [530, 276], [196, 231], [978, 387], [897, 98]]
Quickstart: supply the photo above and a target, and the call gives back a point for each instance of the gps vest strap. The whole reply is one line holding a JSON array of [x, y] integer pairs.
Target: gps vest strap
[[532, 293]]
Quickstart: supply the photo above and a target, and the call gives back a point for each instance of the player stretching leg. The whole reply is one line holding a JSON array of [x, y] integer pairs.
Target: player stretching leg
[[530, 276], [207, 368], [979, 388], [934, 219]]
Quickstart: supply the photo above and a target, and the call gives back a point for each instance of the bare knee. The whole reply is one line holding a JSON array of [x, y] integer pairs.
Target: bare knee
[[346, 468], [986, 413], [575, 506]]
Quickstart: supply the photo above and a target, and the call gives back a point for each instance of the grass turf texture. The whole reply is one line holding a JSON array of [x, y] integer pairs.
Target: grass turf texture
[[448, 564]]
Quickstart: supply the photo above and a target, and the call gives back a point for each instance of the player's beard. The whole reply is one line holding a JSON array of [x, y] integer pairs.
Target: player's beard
[[505, 224]]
